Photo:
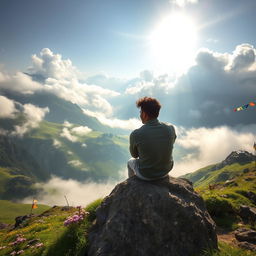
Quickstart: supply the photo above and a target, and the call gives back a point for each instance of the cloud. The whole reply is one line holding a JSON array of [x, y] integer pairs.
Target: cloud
[[7, 107], [81, 130], [18, 82], [61, 78], [243, 58], [75, 163], [210, 145], [67, 124], [182, 3], [56, 143], [204, 96], [130, 124], [66, 134], [33, 115], [77, 193], [104, 80], [50, 65]]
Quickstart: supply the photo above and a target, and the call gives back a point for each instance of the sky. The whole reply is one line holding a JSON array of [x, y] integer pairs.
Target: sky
[[112, 36], [197, 57]]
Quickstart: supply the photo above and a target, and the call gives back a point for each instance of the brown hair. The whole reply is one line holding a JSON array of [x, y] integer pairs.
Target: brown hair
[[150, 106]]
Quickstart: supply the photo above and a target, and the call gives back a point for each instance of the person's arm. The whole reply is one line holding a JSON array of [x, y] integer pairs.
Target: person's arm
[[133, 147]]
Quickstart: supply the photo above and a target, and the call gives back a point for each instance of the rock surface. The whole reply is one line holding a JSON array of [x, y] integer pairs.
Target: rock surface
[[240, 156], [247, 213], [246, 235], [160, 218]]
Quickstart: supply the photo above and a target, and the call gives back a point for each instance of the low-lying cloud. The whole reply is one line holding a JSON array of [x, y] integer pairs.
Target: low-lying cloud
[[33, 115], [131, 124], [77, 193], [210, 146], [7, 107]]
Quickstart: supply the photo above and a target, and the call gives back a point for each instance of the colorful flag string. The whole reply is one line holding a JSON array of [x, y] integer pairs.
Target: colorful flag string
[[252, 104]]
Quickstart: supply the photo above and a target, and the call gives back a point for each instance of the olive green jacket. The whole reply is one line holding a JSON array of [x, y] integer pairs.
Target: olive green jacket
[[152, 144]]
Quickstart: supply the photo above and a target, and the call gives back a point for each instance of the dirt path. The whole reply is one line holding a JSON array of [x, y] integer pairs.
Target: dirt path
[[226, 237]]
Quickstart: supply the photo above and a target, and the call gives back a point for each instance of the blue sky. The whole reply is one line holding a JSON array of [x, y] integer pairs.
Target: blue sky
[[107, 36]]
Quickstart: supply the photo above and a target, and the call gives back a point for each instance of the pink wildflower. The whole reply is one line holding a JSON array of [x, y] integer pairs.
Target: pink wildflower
[[20, 252], [39, 245], [13, 253]]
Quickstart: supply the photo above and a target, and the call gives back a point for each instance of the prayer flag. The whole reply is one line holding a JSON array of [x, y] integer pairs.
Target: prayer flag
[[252, 104], [34, 205]]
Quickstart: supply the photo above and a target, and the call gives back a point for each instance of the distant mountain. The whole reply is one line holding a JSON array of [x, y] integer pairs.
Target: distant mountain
[[222, 171], [61, 110], [45, 151]]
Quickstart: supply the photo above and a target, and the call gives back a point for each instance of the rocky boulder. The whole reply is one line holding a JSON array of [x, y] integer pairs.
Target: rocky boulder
[[247, 213], [246, 238], [160, 218]]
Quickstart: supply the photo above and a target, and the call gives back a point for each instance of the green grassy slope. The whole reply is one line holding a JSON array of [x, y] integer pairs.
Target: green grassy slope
[[44, 151], [53, 238], [224, 190], [46, 235], [9, 210]]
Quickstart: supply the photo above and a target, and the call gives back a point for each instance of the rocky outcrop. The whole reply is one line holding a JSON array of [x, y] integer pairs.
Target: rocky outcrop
[[247, 213], [246, 238], [240, 156], [160, 218]]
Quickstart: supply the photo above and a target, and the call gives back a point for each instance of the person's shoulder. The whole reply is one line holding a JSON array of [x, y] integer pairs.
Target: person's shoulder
[[167, 125], [134, 132], [137, 131]]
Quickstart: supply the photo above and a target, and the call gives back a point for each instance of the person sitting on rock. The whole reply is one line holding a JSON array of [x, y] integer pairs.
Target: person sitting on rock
[[151, 145]]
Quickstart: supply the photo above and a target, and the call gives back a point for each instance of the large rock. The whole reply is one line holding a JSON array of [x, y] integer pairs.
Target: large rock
[[246, 235], [247, 213], [160, 218]]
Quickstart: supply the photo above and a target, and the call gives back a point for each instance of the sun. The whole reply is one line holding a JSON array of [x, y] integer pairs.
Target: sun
[[173, 44]]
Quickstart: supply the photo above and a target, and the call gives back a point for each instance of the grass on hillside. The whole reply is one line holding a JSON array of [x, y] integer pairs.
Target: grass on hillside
[[227, 250], [53, 238], [224, 198], [9, 210]]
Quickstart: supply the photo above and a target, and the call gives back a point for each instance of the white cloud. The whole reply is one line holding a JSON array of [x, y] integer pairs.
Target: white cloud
[[243, 58], [52, 65], [19, 82], [81, 130], [77, 193], [66, 134], [83, 145], [67, 124], [62, 79], [209, 146], [34, 115], [75, 163], [7, 108], [56, 143], [129, 124]]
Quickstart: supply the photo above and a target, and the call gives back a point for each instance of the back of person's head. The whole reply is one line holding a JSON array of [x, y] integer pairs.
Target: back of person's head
[[150, 106]]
